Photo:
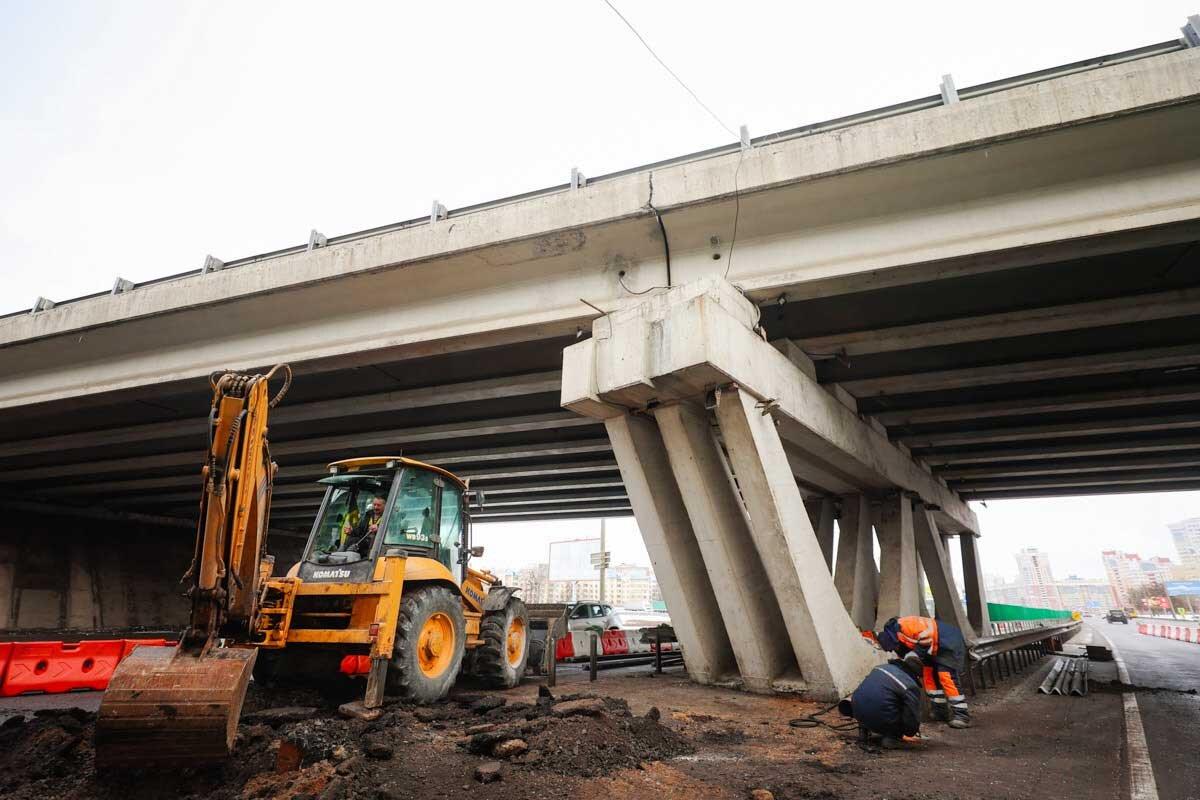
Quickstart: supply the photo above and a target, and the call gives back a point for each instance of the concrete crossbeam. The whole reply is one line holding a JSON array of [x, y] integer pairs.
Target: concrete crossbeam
[[857, 577], [751, 613], [700, 336], [899, 586], [833, 658], [1069, 367], [674, 551], [1072, 466], [1080, 481], [1026, 322], [936, 565], [1109, 447]]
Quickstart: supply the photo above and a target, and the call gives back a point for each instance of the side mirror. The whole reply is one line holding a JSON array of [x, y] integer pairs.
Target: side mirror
[[480, 499], [476, 551]]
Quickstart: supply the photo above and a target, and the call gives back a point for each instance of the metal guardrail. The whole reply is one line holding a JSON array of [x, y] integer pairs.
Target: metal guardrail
[[1008, 654]]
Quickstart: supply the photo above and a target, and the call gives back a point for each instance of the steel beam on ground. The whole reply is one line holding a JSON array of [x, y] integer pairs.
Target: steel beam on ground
[[1079, 401], [1024, 322], [1186, 355], [398, 400]]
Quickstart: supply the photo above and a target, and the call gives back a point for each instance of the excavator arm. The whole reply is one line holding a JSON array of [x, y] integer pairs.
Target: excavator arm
[[180, 705]]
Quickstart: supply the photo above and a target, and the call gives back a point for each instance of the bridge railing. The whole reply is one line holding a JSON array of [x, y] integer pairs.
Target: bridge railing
[[1021, 636]]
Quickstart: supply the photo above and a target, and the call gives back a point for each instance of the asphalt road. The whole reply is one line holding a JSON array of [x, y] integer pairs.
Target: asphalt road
[[1164, 670]]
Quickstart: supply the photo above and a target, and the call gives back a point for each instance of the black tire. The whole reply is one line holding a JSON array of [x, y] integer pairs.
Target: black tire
[[495, 665], [406, 677]]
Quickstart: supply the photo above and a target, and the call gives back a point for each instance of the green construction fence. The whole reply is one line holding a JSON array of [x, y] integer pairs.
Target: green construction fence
[[1002, 612]]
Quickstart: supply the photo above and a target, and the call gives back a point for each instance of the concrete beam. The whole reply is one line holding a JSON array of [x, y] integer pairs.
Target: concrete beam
[[1044, 369], [937, 568], [1062, 430], [973, 585], [1083, 401], [700, 337], [381, 402], [1044, 452], [674, 551], [833, 658], [1073, 466], [857, 577], [752, 614], [1025, 322], [1079, 481], [1084, 491], [899, 587]]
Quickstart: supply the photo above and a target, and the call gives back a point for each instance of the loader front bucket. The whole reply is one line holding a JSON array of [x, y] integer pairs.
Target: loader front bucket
[[164, 707]]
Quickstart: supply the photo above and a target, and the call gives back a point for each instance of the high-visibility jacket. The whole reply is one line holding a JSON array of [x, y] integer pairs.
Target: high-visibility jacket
[[918, 632]]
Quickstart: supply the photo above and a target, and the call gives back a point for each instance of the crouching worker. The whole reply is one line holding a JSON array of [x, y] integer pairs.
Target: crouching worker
[[888, 701], [942, 647]]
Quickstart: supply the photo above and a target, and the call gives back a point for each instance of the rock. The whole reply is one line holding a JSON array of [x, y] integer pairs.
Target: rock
[[489, 771], [349, 766], [509, 748], [483, 727], [425, 714], [487, 703], [761, 794], [654, 714], [376, 746], [289, 756], [279, 716], [357, 710], [586, 706]]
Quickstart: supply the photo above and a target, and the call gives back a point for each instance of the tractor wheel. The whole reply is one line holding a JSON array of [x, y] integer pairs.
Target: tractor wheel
[[430, 638], [500, 660]]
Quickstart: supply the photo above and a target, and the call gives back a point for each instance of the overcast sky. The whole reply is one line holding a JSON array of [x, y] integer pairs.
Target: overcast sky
[[137, 137]]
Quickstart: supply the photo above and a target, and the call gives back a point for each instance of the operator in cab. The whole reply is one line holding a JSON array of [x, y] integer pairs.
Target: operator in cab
[[359, 538]]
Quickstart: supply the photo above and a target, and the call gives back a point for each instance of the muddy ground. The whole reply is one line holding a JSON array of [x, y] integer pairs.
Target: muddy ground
[[631, 734]]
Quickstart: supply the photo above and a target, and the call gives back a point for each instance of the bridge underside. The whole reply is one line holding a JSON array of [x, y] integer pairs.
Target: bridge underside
[[1094, 388]]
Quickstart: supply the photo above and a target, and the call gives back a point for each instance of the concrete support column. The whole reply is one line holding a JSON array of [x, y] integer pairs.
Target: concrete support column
[[937, 568], [832, 657], [8, 585], [82, 609], [674, 551], [898, 584], [922, 586], [977, 610], [856, 577], [752, 615], [822, 513]]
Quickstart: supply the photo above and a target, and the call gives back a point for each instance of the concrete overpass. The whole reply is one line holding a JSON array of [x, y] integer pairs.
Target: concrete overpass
[[998, 294]]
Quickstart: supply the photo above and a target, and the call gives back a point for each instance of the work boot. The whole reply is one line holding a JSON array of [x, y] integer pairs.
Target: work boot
[[939, 709], [960, 718], [890, 743]]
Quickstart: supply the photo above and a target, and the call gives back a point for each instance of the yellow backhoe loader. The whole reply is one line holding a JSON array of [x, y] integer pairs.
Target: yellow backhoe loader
[[383, 592]]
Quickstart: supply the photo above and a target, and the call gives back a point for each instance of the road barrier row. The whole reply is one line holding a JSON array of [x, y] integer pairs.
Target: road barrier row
[[612, 643], [56, 667], [1181, 633]]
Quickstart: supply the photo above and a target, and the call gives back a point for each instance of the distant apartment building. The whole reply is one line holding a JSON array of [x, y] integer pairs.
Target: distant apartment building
[[1186, 535], [999, 590], [1037, 579], [531, 580], [1128, 572], [626, 586], [1079, 594]]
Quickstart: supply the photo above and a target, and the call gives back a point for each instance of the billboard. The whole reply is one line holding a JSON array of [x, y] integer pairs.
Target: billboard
[[572, 560], [1183, 588]]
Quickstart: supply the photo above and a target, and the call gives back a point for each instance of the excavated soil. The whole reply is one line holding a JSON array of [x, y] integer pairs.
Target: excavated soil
[[631, 734]]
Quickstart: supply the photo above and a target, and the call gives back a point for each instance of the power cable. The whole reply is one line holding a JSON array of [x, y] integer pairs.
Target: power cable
[[670, 71]]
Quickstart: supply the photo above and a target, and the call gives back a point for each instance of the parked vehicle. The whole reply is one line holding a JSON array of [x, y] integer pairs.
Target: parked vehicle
[[586, 616], [1117, 615]]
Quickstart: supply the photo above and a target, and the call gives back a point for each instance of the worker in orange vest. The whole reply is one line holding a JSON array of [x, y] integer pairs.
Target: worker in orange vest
[[943, 649]]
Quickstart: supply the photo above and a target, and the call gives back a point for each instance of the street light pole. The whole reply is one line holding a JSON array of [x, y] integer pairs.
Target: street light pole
[[603, 552]]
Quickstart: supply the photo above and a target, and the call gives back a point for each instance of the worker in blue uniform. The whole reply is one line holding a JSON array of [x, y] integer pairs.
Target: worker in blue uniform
[[887, 704]]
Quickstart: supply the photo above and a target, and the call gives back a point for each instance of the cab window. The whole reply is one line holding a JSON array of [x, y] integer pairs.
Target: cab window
[[411, 520], [450, 529], [580, 612]]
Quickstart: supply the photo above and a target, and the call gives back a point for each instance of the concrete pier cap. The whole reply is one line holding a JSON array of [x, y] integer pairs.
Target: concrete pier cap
[[734, 416]]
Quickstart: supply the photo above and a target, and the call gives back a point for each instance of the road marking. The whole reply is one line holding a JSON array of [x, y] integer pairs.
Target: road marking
[[1137, 753]]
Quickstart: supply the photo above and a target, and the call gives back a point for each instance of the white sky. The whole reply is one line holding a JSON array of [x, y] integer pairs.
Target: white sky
[[136, 137]]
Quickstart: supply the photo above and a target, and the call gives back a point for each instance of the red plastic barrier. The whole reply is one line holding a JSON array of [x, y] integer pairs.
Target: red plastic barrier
[[565, 648], [614, 643], [5, 654], [355, 665], [54, 667]]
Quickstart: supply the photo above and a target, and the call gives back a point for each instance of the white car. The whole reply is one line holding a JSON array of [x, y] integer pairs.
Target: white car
[[587, 616]]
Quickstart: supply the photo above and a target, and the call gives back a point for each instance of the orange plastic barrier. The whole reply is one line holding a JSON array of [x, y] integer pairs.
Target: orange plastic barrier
[[355, 665], [5, 654], [614, 643], [54, 667]]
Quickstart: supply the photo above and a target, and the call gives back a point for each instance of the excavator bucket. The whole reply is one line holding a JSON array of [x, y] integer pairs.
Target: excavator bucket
[[171, 708]]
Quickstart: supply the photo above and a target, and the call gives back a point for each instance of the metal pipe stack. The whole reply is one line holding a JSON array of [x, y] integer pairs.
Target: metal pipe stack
[[1067, 676]]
